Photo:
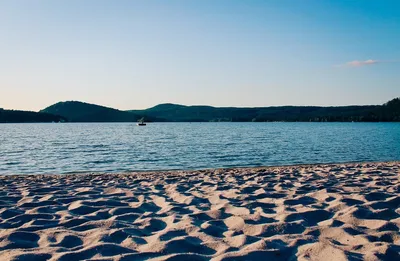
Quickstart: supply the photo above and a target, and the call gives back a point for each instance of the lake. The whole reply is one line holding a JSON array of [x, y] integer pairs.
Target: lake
[[120, 147]]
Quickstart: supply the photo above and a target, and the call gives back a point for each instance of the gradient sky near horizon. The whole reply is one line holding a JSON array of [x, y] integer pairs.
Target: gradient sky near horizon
[[136, 54]]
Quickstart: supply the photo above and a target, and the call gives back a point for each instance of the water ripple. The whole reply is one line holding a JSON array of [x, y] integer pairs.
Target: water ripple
[[119, 147]]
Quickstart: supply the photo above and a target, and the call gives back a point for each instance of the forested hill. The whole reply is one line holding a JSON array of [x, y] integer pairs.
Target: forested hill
[[13, 116], [389, 111], [76, 111]]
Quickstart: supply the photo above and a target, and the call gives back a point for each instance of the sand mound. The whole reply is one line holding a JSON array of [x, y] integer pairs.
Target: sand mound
[[321, 212]]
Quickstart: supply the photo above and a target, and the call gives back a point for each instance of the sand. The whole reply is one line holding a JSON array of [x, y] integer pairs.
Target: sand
[[315, 212]]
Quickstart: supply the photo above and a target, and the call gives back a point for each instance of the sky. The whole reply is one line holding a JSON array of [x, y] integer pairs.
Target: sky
[[136, 54]]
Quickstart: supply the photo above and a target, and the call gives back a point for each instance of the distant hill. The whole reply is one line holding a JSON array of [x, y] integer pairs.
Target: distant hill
[[390, 111], [180, 113], [13, 116], [76, 111]]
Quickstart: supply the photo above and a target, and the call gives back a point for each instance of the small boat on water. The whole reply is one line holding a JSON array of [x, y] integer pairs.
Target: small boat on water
[[141, 122]]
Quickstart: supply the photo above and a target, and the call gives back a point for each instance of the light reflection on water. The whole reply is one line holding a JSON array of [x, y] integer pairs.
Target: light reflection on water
[[117, 147]]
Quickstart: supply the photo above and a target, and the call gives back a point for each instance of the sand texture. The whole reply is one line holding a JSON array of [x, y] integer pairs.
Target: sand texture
[[316, 212]]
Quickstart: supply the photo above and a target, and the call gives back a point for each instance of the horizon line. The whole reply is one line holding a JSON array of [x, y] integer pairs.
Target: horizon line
[[200, 105]]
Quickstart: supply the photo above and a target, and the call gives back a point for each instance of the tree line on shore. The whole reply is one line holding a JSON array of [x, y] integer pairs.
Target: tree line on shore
[[15, 116], [75, 111]]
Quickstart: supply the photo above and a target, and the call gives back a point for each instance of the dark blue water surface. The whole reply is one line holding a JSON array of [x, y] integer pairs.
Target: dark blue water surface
[[118, 147]]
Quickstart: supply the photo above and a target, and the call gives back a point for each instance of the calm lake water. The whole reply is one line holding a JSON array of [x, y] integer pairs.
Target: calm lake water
[[118, 147]]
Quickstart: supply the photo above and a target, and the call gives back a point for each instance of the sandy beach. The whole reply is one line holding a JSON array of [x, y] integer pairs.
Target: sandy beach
[[312, 212]]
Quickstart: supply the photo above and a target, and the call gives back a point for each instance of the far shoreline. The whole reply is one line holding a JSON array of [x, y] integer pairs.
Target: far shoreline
[[194, 122]]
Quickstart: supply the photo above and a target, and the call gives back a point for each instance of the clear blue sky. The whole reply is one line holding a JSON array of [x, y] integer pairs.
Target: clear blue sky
[[136, 54]]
